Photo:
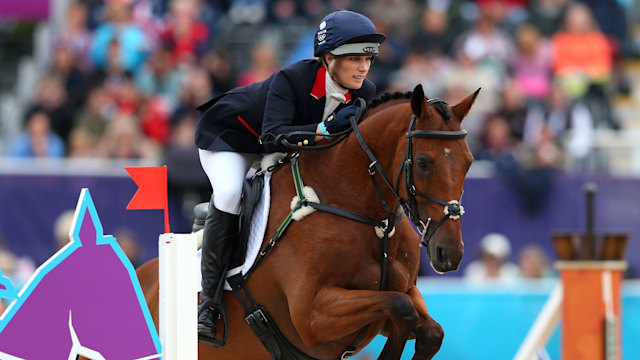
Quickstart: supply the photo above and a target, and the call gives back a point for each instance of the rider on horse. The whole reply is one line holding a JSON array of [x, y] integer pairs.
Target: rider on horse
[[309, 95]]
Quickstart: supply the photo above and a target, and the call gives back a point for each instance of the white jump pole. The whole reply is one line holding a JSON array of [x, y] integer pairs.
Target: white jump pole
[[543, 326], [178, 296]]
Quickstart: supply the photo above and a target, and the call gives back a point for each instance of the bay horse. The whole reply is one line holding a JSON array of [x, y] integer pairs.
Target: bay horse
[[331, 284]]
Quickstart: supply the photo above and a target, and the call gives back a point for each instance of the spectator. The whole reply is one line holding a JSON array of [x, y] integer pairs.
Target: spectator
[[82, 144], [531, 65], [123, 91], [52, 98], [612, 22], [583, 63], [527, 168], [582, 54], [75, 35], [98, 111], [154, 119], [196, 89], [513, 108], [185, 36], [38, 140], [487, 43], [420, 69], [434, 34], [133, 43], [218, 64], [248, 11], [124, 139], [508, 12], [563, 114], [546, 15], [161, 77], [497, 140], [493, 265], [263, 64], [282, 11], [533, 262], [64, 66]]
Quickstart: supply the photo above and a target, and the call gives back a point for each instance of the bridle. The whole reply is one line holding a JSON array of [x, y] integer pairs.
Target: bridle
[[453, 209]]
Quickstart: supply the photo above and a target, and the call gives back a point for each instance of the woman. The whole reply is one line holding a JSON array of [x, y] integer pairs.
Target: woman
[[311, 96]]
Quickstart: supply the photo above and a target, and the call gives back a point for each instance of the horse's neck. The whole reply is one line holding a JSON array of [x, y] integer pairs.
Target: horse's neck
[[383, 130], [346, 166]]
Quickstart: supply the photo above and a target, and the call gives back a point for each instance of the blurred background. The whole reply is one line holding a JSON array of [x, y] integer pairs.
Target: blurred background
[[88, 87]]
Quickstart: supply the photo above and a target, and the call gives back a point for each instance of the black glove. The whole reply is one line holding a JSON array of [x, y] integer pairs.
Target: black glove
[[339, 121]]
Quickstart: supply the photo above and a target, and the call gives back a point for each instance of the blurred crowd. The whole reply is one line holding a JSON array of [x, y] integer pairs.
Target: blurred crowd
[[125, 76], [493, 263]]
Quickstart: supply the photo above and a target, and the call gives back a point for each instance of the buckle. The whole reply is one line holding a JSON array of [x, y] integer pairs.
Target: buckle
[[372, 168], [256, 317]]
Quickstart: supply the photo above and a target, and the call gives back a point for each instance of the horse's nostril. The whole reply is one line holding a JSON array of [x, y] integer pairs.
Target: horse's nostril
[[439, 255]]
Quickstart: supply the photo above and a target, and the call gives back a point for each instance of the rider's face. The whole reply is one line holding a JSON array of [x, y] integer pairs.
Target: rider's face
[[350, 71]]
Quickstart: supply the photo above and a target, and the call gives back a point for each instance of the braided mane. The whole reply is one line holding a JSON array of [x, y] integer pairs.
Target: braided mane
[[440, 105], [387, 96]]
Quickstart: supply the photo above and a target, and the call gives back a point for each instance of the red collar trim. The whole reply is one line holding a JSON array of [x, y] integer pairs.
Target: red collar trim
[[319, 89]]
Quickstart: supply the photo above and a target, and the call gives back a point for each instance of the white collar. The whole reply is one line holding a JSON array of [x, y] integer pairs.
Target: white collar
[[334, 90]]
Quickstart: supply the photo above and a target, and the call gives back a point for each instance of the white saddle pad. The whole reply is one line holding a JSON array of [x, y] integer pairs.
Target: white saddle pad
[[258, 228]]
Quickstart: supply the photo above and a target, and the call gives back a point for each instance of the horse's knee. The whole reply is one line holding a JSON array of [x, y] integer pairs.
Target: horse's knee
[[402, 309], [429, 336]]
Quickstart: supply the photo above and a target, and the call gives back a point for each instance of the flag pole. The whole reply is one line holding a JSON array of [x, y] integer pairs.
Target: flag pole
[[167, 230]]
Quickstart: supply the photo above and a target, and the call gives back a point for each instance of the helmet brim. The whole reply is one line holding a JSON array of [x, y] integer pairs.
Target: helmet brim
[[375, 38]]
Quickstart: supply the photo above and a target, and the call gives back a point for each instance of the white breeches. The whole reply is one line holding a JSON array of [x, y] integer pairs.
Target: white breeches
[[226, 171]]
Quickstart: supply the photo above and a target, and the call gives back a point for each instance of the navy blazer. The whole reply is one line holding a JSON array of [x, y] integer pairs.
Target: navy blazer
[[292, 99]]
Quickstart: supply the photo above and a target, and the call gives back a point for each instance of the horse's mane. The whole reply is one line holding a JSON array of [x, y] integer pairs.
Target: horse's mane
[[440, 105], [388, 96]]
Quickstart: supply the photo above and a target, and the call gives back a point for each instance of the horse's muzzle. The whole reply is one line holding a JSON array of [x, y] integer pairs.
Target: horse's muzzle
[[444, 258]]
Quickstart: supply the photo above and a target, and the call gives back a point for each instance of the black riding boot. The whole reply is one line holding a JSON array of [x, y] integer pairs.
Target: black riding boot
[[220, 234]]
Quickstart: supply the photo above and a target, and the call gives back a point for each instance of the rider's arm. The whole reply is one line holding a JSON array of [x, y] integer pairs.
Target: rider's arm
[[279, 114]]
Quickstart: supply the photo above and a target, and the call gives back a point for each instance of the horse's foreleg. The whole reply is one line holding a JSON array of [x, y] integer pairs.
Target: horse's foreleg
[[428, 332], [393, 348], [336, 313]]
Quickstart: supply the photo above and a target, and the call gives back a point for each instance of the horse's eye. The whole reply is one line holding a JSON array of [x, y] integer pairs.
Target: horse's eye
[[422, 162]]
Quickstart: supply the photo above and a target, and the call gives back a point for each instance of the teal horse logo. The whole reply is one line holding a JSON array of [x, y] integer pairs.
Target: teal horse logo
[[85, 300]]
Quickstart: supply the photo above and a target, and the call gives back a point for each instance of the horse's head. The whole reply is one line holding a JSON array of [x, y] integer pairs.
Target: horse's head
[[438, 160]]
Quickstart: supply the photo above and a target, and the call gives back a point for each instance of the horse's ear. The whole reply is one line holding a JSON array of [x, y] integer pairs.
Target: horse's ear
[[462, 108], [417, 100]]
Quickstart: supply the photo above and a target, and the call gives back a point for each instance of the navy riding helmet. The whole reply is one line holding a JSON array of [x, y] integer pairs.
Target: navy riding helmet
[[345, 32]]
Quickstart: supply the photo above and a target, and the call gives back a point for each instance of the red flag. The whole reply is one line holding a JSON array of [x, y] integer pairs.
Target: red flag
[[152, 190]]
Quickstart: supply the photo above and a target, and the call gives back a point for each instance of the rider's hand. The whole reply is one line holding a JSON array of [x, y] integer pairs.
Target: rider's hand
[[339, 121]]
